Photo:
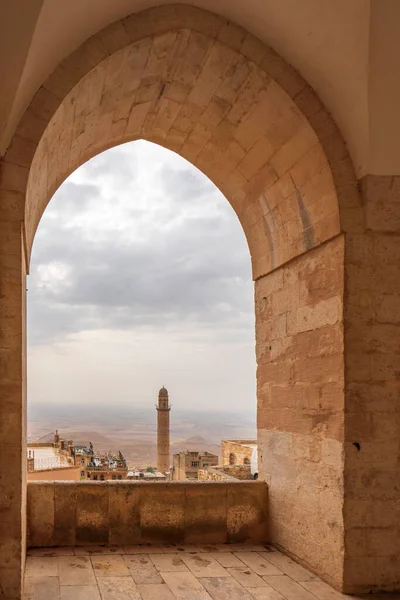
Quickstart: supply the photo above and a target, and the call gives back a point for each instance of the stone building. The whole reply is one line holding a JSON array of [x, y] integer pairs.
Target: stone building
[[237, 452], [163, 444], [187, 464], [291, 109]]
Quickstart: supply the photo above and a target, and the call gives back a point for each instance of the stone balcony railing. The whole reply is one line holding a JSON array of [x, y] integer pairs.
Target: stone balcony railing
[[120, 513]]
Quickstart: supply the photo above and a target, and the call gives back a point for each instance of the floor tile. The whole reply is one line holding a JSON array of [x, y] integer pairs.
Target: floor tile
[[90, 550], [80, 592], [289, 588], [109, 566], [118, 588], [202, 565], [76, 570], [258, 563], [180, 548], [289, 567], [225, 588], [246, 577], [50, 552], [38, 566], [144, 549], [266, 593], [142, 569], [323, 591], [227, 559], [185, 586], [42, 588], [168, 562], [155, 591]]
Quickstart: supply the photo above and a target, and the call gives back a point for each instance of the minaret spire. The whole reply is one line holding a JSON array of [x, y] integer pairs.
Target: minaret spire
[[163, 450]]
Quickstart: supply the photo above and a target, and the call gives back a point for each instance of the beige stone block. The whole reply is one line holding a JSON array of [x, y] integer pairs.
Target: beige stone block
[[225, 588], [205, 514], [197, 49], [283, 73], [13, 177], [247, 511], [266, 593], [227, 559], [249, 96], [114, 37], [75, 570], [246, 577], [87, 56], [142, 569], [80, 592], [41, 514], [293, 150], [176, 91], [217, 62], [21, 151], [258, 562], [109, 566], [166, 116], [64, 514], [136, 119], [124, 506], [253, 49], [168, 562], [203, 565], [43, 588], [185, 586], [162, 513], [154, 591], [92, 513], [234, 79], [256, 158]]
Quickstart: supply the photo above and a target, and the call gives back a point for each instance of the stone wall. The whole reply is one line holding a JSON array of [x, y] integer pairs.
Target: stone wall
[[124, 513], [299, 314], [229, 473], [372, 355], [59, 474], [239, 448]]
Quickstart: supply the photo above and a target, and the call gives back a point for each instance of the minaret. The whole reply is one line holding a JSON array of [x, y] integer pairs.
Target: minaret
[[163, 409]]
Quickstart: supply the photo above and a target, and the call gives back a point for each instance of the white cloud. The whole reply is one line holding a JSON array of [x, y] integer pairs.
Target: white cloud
[[140, 276]]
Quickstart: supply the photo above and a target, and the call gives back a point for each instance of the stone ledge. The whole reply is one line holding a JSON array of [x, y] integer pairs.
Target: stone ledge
[[69, 513]]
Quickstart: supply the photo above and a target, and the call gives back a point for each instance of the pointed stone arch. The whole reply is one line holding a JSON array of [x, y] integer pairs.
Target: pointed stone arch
[[206, 89]]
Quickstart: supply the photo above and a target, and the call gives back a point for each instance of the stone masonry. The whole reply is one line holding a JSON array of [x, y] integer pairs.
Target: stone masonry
[[324, 260]]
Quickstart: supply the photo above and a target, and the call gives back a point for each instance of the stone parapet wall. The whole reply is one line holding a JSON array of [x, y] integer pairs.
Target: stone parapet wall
[[126, 512], [230, 473]]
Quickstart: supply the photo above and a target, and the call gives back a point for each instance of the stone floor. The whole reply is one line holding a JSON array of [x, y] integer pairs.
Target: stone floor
[[220, 572]]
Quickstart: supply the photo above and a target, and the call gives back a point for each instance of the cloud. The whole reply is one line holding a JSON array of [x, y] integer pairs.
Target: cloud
[[139, 239]]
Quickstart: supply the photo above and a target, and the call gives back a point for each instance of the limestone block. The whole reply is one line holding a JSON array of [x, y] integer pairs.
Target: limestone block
[[124, 506], [41, 515], [92, 513], [65, 500], [206, 514], [162, 513], [247, 509]]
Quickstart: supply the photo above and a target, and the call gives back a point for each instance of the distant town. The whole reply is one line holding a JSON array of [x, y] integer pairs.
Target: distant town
[[59, 458]]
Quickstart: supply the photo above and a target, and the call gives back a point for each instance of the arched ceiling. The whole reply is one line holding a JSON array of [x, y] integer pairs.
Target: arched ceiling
[[339, 47]]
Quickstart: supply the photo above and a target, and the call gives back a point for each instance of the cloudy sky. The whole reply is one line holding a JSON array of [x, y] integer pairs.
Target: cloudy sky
[[140, 277]]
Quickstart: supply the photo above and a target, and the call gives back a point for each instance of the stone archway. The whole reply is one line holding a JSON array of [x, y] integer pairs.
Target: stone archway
[[205, 88]]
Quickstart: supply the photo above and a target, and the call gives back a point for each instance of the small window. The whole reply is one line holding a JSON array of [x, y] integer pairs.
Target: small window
[[232, 459], [82, 461], [119, 476], [114, 477], [102, 477], [246, 461], [195, 463], [82, 473], [95, 477], [88, 475]]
